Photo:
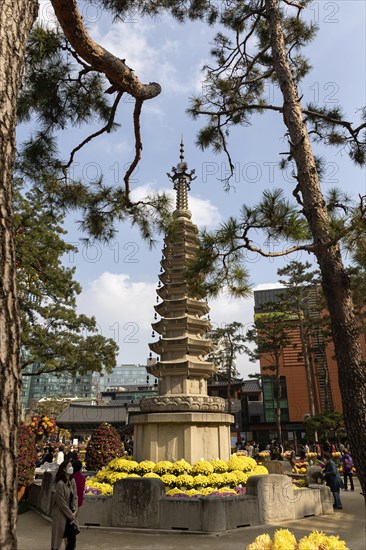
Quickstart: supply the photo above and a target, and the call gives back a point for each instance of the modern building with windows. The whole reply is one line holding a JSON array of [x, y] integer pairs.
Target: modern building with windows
[[63, 384], [295, 403], [90, 384], [122, 375]]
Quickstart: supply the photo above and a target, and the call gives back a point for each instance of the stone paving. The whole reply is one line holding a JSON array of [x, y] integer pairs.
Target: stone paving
[[34, 532]]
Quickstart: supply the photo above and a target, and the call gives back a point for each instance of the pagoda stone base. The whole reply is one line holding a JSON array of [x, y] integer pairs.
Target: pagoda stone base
[[189, 435]]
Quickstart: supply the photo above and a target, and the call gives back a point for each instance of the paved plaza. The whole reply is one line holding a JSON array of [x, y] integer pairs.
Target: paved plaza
[[34, 532]]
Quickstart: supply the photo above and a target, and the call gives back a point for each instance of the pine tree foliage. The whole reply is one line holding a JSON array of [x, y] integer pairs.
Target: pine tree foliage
[[229, 341], [53, 333], [258, 42], [327, 424], [60, 91], [271, 335], [300, 298], [261, 42]]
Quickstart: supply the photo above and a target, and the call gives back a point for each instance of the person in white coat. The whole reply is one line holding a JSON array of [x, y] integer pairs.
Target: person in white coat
[[60, 455]]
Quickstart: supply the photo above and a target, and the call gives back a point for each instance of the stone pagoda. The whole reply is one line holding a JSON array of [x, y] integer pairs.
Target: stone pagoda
[[182, 421]]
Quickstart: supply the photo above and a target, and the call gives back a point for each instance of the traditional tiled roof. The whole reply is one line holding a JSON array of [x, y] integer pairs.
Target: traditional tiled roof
[[251, 386], [88, 416], [223, 383]]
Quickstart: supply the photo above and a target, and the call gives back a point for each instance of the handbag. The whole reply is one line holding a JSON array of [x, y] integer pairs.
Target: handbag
[[70, 529]]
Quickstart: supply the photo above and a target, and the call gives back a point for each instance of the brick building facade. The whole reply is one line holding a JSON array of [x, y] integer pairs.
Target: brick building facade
[[295, 405]]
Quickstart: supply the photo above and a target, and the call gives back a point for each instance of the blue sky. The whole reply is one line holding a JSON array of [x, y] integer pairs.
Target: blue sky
[[119, 280]]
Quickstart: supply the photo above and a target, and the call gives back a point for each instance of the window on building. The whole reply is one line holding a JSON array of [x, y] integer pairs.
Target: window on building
[[283, 388], [270, 400]]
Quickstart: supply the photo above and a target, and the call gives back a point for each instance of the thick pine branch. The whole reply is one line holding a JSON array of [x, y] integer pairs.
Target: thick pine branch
[[100, 59]]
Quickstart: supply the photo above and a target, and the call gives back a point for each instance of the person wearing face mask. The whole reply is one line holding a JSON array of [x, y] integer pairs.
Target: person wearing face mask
[[64, 524]]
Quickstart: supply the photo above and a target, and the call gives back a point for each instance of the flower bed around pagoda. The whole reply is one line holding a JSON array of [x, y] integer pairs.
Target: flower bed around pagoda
[[216, 478], [144, 501]]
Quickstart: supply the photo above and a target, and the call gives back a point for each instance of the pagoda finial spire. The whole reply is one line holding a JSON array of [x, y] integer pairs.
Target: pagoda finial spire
[[181, 156], [181, 178]]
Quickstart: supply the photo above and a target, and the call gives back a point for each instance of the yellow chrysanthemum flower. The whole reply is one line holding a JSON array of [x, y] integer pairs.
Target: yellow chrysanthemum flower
[[219, 466], [202, 467], [229, 479], [262, 542], [104, 488], [174, 491], [227, 490], [241, 477], [185, 480], [180, 467], [242, 463], [123, 465], [145, 466], [318, 540], [283, 539], [201, 481], [112, 477], [207, 491], [163, 467], [168, 479]]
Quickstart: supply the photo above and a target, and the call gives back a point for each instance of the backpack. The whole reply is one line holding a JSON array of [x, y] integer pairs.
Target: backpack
[[348, 463]]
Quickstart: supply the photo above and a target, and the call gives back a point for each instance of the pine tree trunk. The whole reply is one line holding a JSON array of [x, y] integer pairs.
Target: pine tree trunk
[[278, 400], [305, 354], [335, 282], [16, 18]]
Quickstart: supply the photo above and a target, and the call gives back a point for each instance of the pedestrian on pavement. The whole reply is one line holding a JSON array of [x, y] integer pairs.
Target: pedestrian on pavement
[[79, 480], [333, 480], [64, 523], [347, 465]]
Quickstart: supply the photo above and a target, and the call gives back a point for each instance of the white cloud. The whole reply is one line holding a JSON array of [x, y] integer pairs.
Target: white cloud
[[117, 298], [151, 58], [204, 212], [46, 15], [110, 147], [124, 311]]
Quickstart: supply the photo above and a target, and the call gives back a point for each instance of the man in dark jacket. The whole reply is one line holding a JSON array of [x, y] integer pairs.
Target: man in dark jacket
[[333, 480]]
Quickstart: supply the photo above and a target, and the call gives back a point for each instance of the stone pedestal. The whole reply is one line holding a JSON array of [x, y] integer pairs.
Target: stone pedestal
[[275, 497], [189, 435], [136, 503]]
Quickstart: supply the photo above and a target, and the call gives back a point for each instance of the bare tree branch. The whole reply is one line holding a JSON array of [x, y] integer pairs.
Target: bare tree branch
[[107, 128], [138, 144]]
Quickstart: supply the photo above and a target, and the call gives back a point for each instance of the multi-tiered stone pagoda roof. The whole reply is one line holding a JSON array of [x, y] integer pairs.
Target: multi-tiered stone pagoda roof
[[182, 344]]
